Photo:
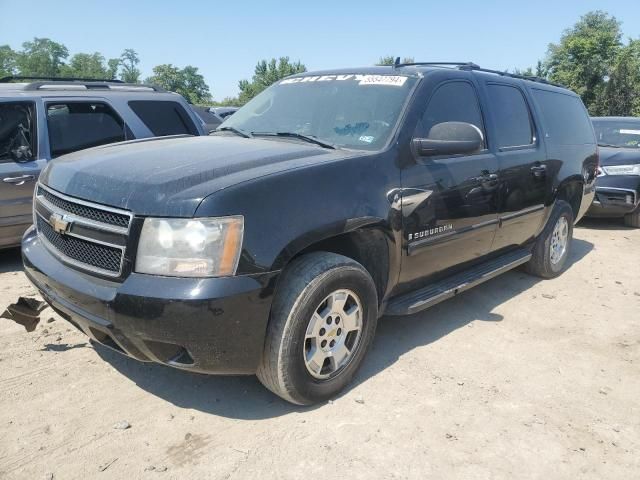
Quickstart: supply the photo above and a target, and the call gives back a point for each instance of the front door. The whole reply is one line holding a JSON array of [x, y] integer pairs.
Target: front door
[[19, 168], [449, 204]]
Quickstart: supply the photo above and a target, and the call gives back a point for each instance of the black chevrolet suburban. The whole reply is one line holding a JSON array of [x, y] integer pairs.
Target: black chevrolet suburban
[[272, 246]]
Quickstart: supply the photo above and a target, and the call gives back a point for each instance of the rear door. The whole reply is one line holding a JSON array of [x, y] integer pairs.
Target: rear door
[[523, 164], [20, 165], [449, 204]]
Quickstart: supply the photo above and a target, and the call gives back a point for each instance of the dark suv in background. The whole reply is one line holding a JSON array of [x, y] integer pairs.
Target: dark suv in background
[[272, 246], [618, 184], [44, 119]]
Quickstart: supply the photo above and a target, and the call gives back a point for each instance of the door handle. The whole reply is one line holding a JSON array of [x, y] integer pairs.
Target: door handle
[[19, 180], [539, 171]]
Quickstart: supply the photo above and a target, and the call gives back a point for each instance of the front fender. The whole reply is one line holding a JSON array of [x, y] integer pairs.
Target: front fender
[[288, 211]]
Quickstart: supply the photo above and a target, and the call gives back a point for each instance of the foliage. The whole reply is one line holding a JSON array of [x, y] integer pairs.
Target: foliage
[[621, 94], [391, 59], [41, 57], [267, 73], [129, 61], [85, 65], [187, 82], [7, 61], [585, 55]]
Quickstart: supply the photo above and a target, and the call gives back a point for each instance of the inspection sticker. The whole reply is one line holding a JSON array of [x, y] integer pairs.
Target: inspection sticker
[[392, 80]]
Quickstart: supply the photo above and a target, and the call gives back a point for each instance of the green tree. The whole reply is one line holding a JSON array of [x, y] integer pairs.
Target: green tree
[[7, 61], [391, 59], [585, 54], [113, 64], [621, 94], [187, 82], [86, 65], [129, 62], [267, 73], [41, 57]]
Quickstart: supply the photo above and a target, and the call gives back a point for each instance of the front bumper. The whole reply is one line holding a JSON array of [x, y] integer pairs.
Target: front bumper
[[616, 196], [207, 325]]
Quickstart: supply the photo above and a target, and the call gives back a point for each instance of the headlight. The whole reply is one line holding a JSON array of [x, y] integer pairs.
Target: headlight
[[194, 247], [622, 169]]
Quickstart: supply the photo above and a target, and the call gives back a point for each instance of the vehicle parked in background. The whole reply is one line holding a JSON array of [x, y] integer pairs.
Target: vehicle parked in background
[[223, 112], [46, 118], [618, 183], [211, 120], [273, 245]]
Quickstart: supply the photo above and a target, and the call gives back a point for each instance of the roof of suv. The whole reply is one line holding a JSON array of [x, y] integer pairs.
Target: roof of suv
[[72, 87], [419, 69]]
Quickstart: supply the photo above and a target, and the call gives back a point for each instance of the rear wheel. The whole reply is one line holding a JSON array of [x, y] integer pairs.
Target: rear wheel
[[552, 247], [322, 322]]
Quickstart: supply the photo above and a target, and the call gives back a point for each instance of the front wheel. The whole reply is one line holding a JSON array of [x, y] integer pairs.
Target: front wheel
[[552, 247], [633, 219], [322, 323]]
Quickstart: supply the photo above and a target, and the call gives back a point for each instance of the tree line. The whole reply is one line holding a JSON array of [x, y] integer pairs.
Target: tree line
[[591, 58]]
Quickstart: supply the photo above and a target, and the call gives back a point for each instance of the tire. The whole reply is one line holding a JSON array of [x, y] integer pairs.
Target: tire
[[305, 295], [544, 263], [633, 219]]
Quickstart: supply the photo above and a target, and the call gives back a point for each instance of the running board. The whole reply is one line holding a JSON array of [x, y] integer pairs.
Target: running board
[[426, 297]]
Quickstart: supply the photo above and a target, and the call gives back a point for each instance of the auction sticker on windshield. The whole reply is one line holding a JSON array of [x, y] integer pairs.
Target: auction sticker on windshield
[[630, 132]]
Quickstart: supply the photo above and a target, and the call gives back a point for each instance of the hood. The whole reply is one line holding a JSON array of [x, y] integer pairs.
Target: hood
[[170, 176], [619, 156]]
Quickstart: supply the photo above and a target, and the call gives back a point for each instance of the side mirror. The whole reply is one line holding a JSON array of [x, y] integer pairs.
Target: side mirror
[[449, 138]]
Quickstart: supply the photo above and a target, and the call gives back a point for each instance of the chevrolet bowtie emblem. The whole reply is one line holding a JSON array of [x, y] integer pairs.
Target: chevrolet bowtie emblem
[[59, 223]]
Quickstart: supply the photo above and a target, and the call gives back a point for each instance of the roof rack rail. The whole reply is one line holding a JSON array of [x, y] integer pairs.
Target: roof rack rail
[[476, 67], [435, 64], [532, 78], [88, 83], [10, 78]]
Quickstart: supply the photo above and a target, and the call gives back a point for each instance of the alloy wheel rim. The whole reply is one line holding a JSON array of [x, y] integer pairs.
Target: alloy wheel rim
[[559, 240], [333, 334]]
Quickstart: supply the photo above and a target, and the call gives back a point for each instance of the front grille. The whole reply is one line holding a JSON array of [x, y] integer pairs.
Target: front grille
[[96, 255], [82, 234], [110, 218]]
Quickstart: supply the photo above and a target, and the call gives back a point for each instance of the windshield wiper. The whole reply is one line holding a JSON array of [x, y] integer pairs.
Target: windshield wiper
[[608, 145], [235, 130], [306, 138]]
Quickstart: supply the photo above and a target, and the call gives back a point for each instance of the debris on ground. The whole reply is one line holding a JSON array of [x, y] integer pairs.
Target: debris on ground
[[25, 312], [122, 425], [104, 466]]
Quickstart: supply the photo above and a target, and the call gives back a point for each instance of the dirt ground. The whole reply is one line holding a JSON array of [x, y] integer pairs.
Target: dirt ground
[[518, 378]]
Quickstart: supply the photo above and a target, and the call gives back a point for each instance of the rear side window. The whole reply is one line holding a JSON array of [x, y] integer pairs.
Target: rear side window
[[17, 132], [164, 117], [565, 118], [78, 125], [452, 102], [511, 113]]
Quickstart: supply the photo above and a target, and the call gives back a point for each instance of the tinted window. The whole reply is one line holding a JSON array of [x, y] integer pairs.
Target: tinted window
[[164, 118], [77, 125], [452, 102], [565, 118], [513, 121], [17, 132]]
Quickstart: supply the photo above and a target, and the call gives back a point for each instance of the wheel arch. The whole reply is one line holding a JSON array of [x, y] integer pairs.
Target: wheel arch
[[368, 242], [571, 190]]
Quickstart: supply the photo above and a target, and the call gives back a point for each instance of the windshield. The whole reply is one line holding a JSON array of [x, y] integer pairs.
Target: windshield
[[351, 111], [623, 133]]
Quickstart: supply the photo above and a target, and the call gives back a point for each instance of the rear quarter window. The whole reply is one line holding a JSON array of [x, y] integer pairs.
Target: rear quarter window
[[164, 117], [565, 118]]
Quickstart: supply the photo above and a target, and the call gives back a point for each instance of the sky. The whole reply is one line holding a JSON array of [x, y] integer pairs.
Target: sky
[[226, 39]]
